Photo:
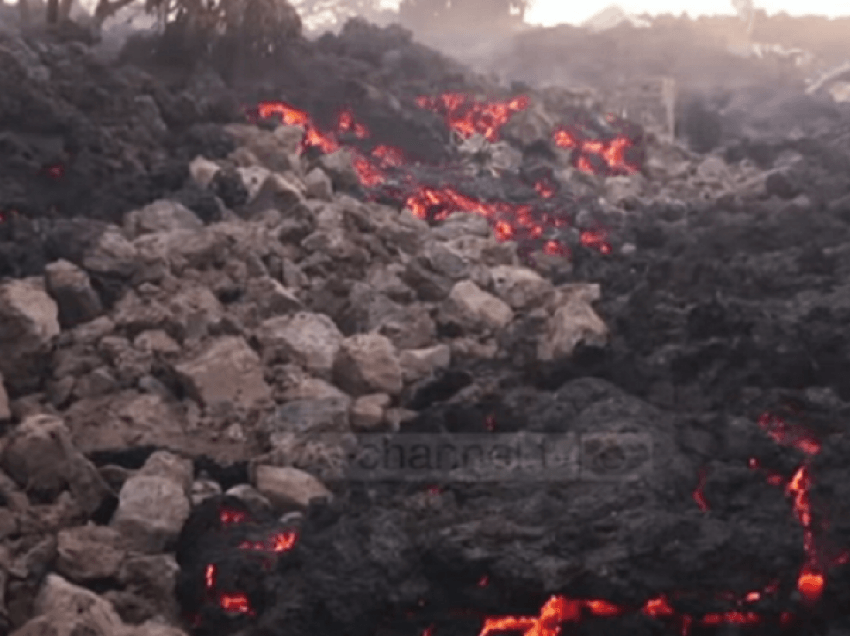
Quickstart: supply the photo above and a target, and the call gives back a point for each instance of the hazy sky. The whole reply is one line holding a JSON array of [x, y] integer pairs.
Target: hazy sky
[[557, 11]]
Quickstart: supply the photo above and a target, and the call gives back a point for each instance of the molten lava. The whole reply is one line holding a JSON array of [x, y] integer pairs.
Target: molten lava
[[514, 222], [467, 116], [611, 152], [811, 580], [237, 602]]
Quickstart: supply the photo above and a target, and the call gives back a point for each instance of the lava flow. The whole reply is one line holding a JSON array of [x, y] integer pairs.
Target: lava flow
[[560, 610], [515, 222], [237, 602], [467, 116]]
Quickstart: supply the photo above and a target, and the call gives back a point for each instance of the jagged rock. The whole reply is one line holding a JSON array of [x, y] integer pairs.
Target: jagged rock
[[203, 489], [275, 151], [484, 251], [89, 553], [417, 364], [71, 288], [126, 419], [165, 464], [64, 609], [283, 194], [294, 384], [334, 245], [714, 171], [319, 185], [151, 580], [5, 412], [157, 342], [529, 126], [444, 260], [407, 326], [129, 363], [89, 333], [290, 137], [339, 165], [98, 383], [269, 298], [386, 280], [203, 171], [476, 308], [161, 216], [519, 287], [623, 188], [226, 371], [368, 363], [250, 495], [462, 224], [41, 458], [151, 512], [154, 628], [29, 321], [572, 321], [285, 486], [367, 412], [402, 230], [113, 255], [322, 415], [195, 312], [307, 339], [172, 252], [324, 455]]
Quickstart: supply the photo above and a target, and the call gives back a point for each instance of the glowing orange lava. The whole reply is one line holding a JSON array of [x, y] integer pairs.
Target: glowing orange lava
[[612, 152], [468, 116], [811, 580]]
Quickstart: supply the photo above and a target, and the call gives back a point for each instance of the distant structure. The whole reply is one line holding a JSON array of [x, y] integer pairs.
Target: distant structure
[[611, 17]]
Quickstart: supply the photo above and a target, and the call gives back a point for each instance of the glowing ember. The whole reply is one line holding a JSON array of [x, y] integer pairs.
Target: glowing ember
[[467, 116], [595, 239], [560, 610], [510, 222], [236, 603], [228, 517], [229, 602], [278, 542], [55, 171], [545, 189], [514, 222], [553, 614], [811, 579], [783, 433], [347, 124], [698, 494], [612, 152], [387, 156]]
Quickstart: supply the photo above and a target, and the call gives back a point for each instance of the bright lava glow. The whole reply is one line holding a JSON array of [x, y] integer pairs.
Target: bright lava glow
[[552, 12]]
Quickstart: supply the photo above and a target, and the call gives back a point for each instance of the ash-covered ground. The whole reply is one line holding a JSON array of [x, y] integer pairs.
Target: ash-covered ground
[[213, 290]]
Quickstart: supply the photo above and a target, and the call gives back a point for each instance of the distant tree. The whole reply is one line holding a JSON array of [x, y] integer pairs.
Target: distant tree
[[57, 11], [328, 13]]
